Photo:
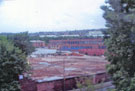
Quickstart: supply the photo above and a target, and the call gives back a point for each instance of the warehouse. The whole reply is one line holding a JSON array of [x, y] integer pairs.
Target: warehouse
[[56, 73], [38, 43], [93, 46]]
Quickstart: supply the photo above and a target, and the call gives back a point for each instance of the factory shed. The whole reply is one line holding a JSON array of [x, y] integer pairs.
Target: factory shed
[[91, 46], [59, 73], [38, 43]]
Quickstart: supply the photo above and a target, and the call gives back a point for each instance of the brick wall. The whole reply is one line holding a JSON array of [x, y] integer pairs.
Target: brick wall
[[28, 85], [56, 85]]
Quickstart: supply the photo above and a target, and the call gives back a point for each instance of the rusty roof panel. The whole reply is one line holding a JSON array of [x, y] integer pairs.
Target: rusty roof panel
[[57, 67]]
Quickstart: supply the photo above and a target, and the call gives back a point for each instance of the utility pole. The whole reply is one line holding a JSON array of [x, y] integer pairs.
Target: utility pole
[[63, 74]]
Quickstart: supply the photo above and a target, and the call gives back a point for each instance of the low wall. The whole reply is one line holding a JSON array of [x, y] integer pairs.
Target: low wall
[[58, 85]]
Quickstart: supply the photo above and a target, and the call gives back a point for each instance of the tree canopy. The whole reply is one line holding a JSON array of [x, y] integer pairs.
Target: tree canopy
[[22, 41], [120, 21], [12, 64]]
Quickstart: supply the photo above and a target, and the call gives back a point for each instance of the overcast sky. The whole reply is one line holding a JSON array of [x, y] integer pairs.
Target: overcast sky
[[50, 15]]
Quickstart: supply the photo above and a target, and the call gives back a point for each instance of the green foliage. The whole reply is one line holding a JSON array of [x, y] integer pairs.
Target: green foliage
[[22, 41], [12, 64], [111, 90], [85, 84], [120, 19]]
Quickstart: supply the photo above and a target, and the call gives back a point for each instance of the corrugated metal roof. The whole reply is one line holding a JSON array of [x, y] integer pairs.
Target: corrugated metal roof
[[52, 68], [44, 51]]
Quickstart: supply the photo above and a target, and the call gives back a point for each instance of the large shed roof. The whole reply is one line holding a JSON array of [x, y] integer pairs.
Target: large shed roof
[[57, 67]]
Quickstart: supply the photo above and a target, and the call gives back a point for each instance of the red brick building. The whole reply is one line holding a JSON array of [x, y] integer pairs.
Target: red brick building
[[38, 43], [93, 46]]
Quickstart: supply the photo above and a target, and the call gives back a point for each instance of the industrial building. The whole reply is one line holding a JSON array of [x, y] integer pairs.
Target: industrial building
[[59, 73], [91, 46], [95, 33], [38, 43]]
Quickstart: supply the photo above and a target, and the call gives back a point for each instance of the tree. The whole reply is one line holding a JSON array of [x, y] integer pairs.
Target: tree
[[120, 21], [12, 64], [85, 84], [22, 41]]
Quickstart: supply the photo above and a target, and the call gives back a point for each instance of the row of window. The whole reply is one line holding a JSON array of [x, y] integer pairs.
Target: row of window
[[82, 47], [79, 42]]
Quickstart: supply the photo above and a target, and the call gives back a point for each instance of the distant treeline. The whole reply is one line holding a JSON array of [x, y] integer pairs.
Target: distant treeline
[[36, 35], [74, 32]]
